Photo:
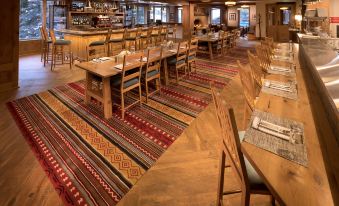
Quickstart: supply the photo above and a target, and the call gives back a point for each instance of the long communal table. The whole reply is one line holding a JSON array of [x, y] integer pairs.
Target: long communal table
[[106, 70]]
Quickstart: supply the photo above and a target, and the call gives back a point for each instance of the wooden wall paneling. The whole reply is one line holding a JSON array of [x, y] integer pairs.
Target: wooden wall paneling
[[9, 41], [186, 21], [29, 47]]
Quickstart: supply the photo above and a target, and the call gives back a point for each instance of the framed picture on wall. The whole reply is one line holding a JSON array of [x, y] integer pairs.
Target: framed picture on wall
[[232, 17]]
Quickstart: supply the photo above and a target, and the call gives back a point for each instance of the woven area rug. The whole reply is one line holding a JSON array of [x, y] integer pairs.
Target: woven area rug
[[94, 161]]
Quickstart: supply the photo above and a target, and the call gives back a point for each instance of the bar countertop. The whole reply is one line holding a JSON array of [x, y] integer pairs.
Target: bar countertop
[[86, 32], [326, 62]]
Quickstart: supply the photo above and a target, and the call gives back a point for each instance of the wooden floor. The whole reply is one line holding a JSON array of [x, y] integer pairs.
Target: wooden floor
[[185, 175]]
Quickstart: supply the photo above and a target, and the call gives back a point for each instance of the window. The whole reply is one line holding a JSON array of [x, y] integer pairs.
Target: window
[[30, 19], [164, 14], [141, 15], [179, 15], [215, 16], [244, 19], [286, 14], [157, 13], [151, 16]]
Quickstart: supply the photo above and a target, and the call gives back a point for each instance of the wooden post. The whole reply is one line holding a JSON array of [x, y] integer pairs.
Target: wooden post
[[9, 41], [44, 13]]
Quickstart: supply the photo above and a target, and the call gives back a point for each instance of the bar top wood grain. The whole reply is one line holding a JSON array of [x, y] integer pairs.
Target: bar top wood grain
[[292, 183]]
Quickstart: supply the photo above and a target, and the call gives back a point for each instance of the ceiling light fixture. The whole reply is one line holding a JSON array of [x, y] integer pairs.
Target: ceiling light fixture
[[245, 6], [230, 3], [284, 8]]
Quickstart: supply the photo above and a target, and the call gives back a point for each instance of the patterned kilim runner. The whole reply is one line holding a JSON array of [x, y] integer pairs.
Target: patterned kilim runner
[[94, 161]]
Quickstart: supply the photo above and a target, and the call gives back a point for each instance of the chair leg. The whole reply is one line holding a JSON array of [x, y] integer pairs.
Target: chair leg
[[245, 198], [146, 84], [222, 163], [272, 200], [52, 60], [122, 106], [177, 74], [140, 95]]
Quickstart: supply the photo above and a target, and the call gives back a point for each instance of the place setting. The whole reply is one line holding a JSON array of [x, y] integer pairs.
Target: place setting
[[282, 89], [281, 136], [289, 70]]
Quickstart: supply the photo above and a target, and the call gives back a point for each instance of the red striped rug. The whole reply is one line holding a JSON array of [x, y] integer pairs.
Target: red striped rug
[[94, 161]]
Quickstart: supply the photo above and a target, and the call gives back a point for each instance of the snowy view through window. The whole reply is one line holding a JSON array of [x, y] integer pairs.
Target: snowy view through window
[[30, 19]]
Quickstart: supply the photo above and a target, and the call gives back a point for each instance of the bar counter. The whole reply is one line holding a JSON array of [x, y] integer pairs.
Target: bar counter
[[81, 39], [320, 68]]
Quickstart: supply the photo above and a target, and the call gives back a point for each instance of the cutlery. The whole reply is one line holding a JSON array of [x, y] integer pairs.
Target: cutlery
[[272, 129], [277, 86], [280, 69]]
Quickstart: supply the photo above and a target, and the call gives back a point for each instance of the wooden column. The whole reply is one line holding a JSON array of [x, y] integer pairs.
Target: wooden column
[[9, 44], [44, 13], [187, 20]]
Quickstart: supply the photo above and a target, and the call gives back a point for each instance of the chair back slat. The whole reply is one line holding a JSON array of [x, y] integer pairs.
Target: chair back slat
[[248, 85], [255, 68], [230, 137], [263, 57]]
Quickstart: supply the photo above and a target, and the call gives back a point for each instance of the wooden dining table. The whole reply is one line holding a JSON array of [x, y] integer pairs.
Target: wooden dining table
[[291, 183], [210, 40], [105, 70]]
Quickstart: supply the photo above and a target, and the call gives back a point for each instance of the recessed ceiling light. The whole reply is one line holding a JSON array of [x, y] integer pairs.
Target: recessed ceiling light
[[284, 8]]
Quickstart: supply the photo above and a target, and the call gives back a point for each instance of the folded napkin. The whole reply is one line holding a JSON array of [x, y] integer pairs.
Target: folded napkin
[[173, 50], [280, 68]]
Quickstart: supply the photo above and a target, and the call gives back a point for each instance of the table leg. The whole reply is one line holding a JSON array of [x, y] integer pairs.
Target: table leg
[[210, 50], [107, 98], [88, 87], [166, 71]]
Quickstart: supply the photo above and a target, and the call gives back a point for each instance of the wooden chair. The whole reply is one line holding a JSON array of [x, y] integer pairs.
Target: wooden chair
[[156, 36], [249, 91], [192, 55], [173, 32], [256, 71], [164, 33], [116, 43], [217, 47], [146, 38], [231, 156], [61, 51], [263, 58], [154, 57], [226, 45], [129, 79], [180, 61], [132, 37]]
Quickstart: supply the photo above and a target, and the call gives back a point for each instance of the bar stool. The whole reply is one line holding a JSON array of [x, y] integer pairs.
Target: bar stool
[[116, 43], [173, 32], [45, 46], [97, 49], [61, 51]]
